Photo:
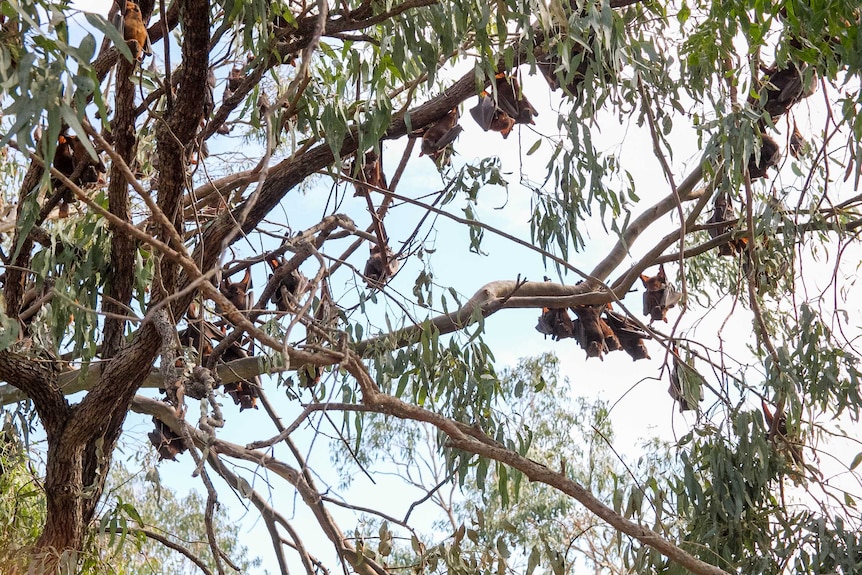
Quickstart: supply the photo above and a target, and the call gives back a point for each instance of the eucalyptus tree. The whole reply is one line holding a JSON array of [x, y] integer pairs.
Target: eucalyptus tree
[[144, 193]]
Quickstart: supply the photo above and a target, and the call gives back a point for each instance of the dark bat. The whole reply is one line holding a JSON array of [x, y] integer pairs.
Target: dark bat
[[243, 393], [548, 67], [588, 331], [797, 142], [721, 223], [379, 268], [490, 117], [784, 88], [295, 283], [237, 292], [770, 154], [659, 296], [438, 137], [555, 323], [166, 442], [371, 172], [308, 375], [74, 161], [777, 427], [511, 101], [630, 336], [209, 94]]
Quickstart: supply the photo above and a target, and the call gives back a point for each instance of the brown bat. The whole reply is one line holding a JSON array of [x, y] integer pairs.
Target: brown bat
[[243, 393], [630, 336], [659, 296], [511, 101], [721, 223], [371, 172], [308, 375], [490, 117], [777, 427], [74, 161], [237, 292], [770, 154], [588, 332], [379, 268], [797, 142], [295, 284], [612, 342], [166, 442], [438, 137], [784, 88], [555, 323]]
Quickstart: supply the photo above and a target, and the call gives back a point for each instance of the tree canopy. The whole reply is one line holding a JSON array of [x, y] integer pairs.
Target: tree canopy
[[162, 159]]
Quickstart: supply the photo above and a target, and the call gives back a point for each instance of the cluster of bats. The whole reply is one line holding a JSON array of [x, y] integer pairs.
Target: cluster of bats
[[598, 334]]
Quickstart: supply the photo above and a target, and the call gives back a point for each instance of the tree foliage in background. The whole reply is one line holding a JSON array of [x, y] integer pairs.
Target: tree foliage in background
[[141, 200]]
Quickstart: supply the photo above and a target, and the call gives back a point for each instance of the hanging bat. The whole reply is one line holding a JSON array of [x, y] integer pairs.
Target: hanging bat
[[490, 117], [722, 215], [295, 283], [209, 94], [167, 443], [588, 332], [555, 323], [612, 342], [308, 375], [238, 292], [770, 154], [371, 172], [630, 336], [784, 88], [797, 142], [243, 393], [659, 296], [776, 426], [74, 161], [379, 268], [438, 137], [131, 25], [511, 101]]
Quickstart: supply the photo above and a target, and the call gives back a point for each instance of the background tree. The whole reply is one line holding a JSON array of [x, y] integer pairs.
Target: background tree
[[144, 198]]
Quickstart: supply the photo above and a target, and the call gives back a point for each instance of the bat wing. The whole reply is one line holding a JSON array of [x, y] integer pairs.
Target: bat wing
[[483, 112]]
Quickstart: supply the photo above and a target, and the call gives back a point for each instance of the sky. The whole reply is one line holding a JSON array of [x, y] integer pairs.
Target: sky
[[641, 408]]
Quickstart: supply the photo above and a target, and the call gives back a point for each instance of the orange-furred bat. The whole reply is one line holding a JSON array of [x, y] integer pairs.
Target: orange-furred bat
[[237, 292], [295, 283], [555, 323], [379, 268], [371, 172], [660, 295], [630, 336], [243, 393], [167, 443], [588, 331], [131, 24], [612, 342], [490, 117], [438, 137], [512, 101], [770, 154]]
